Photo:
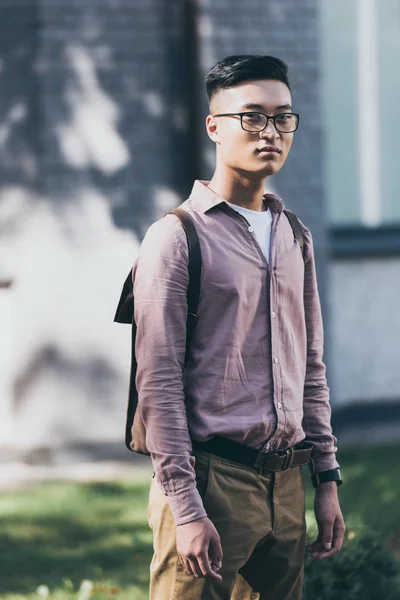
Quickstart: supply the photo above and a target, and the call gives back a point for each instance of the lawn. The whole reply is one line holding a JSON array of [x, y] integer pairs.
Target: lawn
[[55, 536]]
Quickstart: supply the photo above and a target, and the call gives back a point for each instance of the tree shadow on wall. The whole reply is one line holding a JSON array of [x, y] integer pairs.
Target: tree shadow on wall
[[86, 389], [94, 97], [20, 148]]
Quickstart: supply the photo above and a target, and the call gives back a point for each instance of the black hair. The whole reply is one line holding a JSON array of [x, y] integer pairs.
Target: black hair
[[238, 68]]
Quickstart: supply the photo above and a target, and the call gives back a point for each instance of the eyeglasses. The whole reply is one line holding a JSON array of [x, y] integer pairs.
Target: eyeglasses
[[256, 121]]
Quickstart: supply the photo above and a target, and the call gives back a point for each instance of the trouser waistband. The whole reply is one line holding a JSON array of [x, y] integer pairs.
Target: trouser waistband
[[297, 455]]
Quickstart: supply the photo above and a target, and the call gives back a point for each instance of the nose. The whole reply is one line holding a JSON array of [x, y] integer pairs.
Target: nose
[[269, 132]]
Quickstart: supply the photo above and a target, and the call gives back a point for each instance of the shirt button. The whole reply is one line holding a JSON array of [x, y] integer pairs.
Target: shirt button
[[273, 315], [251, 229], [279, 405], [268, 447], [275, 360]]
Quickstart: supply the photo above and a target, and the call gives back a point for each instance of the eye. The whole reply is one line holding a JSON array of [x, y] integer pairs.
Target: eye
[[284, 118], [255, 117]]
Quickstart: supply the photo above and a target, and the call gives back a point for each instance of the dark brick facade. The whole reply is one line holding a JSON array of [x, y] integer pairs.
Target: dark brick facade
[[287, 29]]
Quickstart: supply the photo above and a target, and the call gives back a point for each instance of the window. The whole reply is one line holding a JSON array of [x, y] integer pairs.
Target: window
[[360, 50]]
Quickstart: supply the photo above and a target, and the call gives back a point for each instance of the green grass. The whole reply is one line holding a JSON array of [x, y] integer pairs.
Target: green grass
[[58, 534]]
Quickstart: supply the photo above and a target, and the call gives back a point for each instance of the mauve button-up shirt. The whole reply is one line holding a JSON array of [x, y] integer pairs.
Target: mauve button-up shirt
[[255, 373]]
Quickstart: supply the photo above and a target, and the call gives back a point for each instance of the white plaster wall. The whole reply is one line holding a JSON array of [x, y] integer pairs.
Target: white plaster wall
[[63, 362], [364, 299]]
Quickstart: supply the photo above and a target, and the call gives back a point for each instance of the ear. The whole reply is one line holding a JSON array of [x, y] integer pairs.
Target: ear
[[211, 127]]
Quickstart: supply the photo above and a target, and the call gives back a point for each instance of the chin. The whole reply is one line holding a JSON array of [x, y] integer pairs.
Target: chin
[[270, 169], [257, 171]]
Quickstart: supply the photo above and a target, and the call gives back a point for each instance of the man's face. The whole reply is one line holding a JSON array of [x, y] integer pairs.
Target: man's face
[[241, 150]]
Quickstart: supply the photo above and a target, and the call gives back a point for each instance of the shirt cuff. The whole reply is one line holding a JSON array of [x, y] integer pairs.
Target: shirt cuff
[[323, 462], [186, 506]]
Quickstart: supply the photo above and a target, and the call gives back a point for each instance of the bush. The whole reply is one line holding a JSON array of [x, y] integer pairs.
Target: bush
[[364, 570]]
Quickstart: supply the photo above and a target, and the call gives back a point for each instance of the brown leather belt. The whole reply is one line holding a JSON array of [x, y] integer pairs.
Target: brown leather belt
[[295, 456]]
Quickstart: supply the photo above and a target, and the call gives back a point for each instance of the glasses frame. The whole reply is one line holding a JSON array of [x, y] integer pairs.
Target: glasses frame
[[268, 117]]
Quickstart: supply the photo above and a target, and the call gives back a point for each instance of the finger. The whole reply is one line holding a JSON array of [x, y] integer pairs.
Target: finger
[[195, 567], [321, 553], [318, 552], [317, 549], [204, 565], [187, 566], [338, 535], [327, 535], [315, 544], [326, 554], [206, 569], [336, 547], [215, 552]]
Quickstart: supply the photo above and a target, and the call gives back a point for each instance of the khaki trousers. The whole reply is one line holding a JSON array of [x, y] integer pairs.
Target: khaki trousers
[[261, 522]]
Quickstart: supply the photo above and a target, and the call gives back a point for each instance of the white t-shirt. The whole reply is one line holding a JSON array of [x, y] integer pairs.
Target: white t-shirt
[[261, 223]]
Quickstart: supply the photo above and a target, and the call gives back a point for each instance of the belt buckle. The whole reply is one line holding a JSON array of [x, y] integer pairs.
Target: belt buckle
[[289, 455]]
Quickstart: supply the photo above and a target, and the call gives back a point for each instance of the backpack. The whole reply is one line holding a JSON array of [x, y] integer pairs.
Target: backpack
[[135, 432]]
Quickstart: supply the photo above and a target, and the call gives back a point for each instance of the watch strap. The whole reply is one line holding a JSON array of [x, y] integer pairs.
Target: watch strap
[[325, 476]]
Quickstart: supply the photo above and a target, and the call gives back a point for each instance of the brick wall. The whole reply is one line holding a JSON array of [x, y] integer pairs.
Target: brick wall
[[132, 51], [289, 30]]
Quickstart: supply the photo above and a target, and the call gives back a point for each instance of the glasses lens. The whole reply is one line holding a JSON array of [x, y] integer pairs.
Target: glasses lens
[[286, 122], [253, 121]]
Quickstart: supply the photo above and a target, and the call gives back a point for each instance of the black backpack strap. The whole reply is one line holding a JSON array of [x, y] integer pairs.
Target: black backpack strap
[[193, 291], [124, 312], [297, 231]]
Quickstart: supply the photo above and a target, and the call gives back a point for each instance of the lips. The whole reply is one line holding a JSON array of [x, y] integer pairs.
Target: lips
[[269, 149]]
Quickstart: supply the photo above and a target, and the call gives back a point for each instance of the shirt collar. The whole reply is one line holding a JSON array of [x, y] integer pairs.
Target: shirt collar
[[206, 199]]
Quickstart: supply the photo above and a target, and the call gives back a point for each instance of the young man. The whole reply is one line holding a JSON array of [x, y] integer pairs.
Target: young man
[[229, 430]]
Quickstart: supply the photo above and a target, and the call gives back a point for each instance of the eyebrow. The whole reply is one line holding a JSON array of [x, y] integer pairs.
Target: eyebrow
[[260, 106]]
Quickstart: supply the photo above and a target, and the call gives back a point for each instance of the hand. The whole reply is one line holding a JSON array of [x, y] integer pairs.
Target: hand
[[331, 527], [199, 548]]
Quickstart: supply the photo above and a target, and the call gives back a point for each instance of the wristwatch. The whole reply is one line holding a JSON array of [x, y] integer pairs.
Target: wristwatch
[[325, 476]]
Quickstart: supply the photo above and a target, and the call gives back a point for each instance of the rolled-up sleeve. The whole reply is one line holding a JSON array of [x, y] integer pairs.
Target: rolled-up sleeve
[[317, 409], [160, 287]]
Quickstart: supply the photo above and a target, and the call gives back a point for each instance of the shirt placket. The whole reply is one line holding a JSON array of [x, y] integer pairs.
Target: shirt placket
[[277, 400], [272, 292]]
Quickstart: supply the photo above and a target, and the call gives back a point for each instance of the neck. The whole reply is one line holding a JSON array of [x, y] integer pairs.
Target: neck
[[238, 189]]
